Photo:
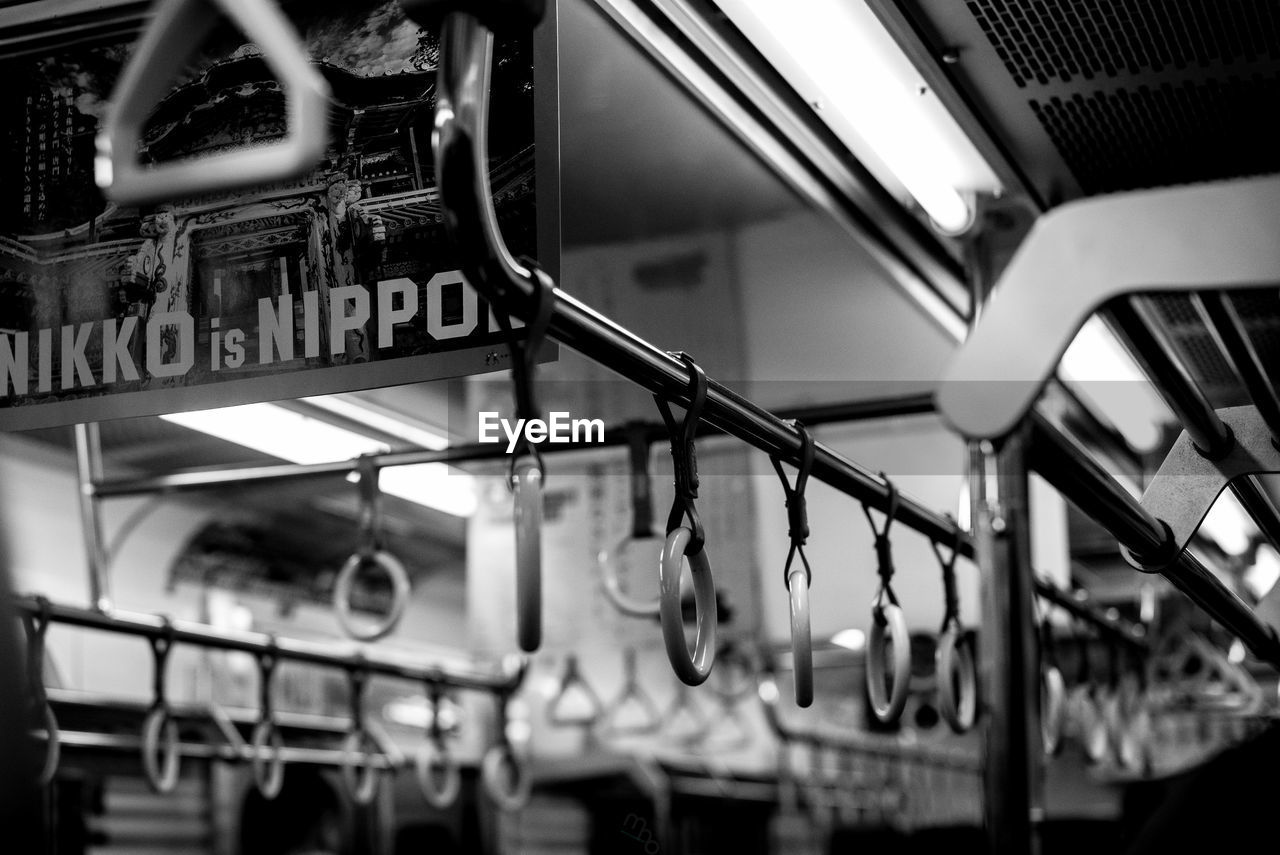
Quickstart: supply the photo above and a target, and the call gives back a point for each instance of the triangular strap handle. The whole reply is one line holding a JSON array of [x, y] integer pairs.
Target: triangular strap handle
[[572, 682], [148, 77]]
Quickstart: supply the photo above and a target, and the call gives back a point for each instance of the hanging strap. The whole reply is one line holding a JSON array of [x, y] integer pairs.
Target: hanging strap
[[569, 679], [950, 594], [884, 547], [641, 481], [359, 679], [524, 352], [370, 507], [684, 455], [35, 626], [161, 645], [267, 662], [435, 699], [797, 505], [501, 700]]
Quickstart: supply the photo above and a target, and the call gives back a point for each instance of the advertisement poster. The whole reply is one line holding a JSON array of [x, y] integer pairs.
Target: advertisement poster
[[343, 279]]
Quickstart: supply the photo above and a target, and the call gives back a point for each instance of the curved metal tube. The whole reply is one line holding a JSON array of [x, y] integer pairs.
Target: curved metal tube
[[460, 143]]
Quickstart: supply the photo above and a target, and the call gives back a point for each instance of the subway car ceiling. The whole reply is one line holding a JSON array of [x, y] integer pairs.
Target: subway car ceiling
[[819, 234], [1056, 102]]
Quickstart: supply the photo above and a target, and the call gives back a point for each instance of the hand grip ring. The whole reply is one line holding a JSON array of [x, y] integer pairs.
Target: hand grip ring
[[694, 667]]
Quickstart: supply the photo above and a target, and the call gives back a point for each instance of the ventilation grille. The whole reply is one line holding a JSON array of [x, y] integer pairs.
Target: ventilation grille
[[1041, 40], [1138, 93], [1199, 351], [1173, 133]]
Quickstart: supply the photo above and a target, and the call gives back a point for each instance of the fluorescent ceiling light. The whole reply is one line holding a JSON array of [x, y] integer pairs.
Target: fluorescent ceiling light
[[299, 438], [435, 485], [851, 639], [1100, 369], [767, 690], [842, 60], [1228, 525], [279, 432], [1236, 653], [1095, 355], [1263, 574], [964, 506], [416, 712], [380, 419]]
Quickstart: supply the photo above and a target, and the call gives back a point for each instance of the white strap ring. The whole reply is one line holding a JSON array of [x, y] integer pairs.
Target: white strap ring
[[52, 747], [160, 737], [801, 636], [692, 668], [360, 628], [267, 760], [957, 678], [526, 485], [888, 624], [439, 777], [620, 599], [505, 778], [358, 770], [1052, 694]]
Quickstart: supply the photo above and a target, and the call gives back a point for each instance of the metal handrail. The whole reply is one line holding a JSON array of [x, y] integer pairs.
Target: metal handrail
[[505, 681], [614, 436]]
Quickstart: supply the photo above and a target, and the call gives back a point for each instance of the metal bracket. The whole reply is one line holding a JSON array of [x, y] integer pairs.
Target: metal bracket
[[1079, 256], [1187, 483]]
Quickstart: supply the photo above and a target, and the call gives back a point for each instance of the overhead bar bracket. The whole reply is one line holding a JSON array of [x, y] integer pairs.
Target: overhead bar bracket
[[1078, 257], [1188, 483]]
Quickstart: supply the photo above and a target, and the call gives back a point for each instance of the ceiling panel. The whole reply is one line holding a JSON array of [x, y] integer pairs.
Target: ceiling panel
[[1092, 97]]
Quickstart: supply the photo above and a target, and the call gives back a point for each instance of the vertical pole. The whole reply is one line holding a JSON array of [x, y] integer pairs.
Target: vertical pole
[[1009, 676], [89, 474]]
